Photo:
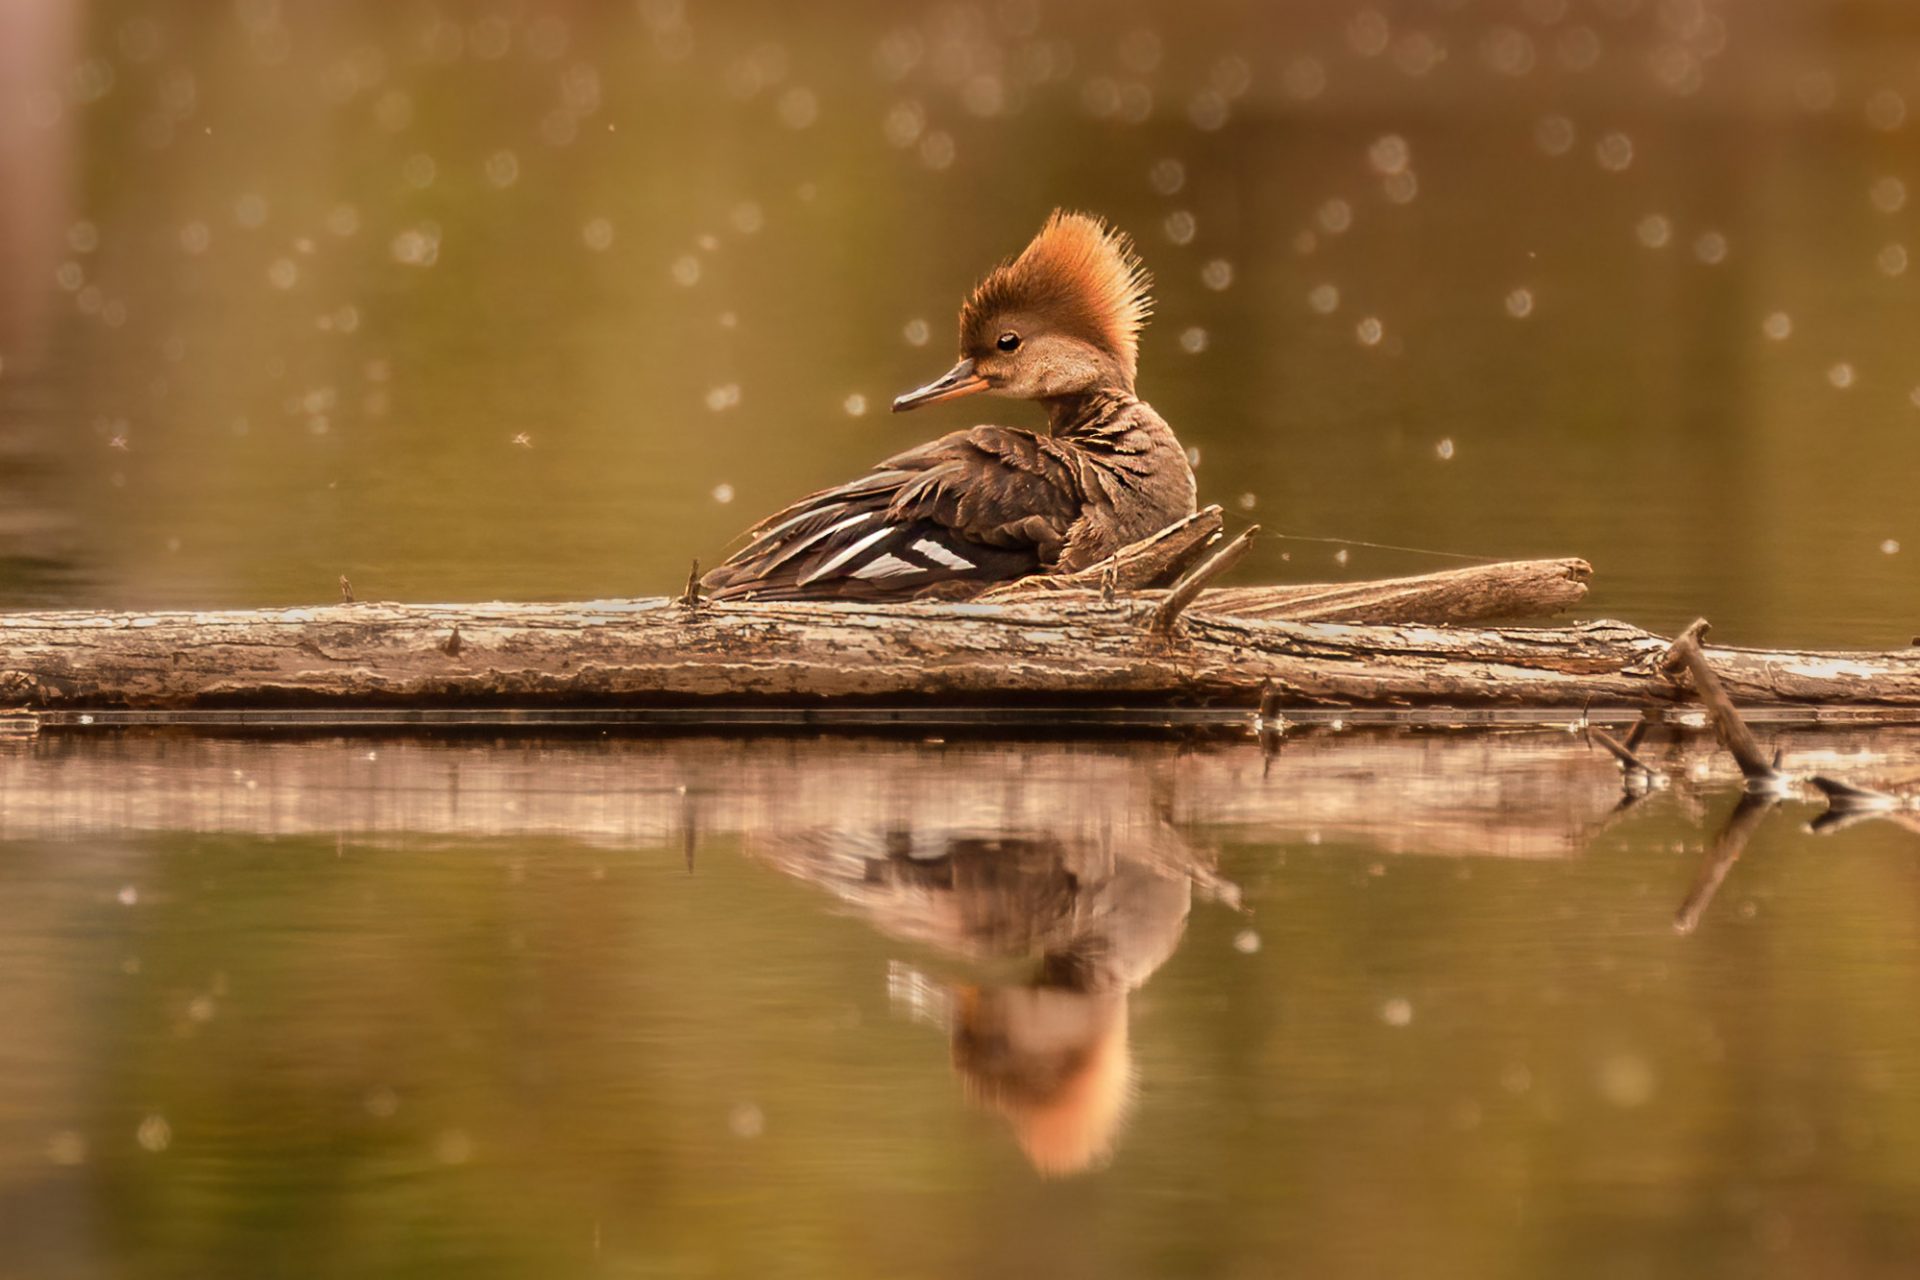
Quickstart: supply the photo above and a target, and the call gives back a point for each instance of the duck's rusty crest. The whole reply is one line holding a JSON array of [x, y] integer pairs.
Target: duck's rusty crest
[[1080, 275]]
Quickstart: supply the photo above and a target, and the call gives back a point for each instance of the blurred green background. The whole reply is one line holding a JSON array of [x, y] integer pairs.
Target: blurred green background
[[285, 283]]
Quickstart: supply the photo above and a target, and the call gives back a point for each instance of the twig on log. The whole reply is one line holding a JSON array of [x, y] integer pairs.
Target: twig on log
[[1151, 562], [1185, 591], [1269, 726], [346, 590], [1755, 767], [1269, 713], [690, 598]]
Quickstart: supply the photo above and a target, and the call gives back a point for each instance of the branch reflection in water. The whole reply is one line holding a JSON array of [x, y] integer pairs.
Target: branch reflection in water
[[1765, 785]]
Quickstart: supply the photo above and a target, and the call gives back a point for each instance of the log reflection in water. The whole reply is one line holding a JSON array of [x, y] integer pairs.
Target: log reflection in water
[[1534, 795], [1093, 916], [1537, 794]]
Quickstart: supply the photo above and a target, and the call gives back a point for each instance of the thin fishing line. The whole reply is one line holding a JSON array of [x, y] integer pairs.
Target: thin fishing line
[[1380, 546]]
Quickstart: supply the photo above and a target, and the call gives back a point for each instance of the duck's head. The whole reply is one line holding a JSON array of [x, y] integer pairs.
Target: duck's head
[[1053, 1062], [1060, 320]]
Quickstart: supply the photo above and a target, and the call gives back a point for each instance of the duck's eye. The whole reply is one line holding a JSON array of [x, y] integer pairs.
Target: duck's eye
[[1008, 341]]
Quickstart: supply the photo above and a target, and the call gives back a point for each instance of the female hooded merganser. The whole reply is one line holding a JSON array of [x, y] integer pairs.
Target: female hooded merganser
[[1059, 324]]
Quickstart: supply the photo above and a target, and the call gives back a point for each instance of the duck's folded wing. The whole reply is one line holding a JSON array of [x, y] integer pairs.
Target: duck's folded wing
[[965, 512]]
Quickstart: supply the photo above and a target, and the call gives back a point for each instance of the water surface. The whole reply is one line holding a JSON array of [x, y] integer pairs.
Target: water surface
[[1378, 1004]]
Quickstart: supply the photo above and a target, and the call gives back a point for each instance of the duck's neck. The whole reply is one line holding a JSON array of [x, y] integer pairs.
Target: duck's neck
[[1087, 412]]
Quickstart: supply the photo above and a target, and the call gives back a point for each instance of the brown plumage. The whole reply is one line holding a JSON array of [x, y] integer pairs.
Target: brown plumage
[[1059, 324]]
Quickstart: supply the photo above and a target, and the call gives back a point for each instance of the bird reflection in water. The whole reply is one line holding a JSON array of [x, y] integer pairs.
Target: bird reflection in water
[[1090, 916]]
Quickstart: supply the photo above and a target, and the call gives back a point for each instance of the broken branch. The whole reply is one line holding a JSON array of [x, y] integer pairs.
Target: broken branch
[[1185, 591], [1686, 652]]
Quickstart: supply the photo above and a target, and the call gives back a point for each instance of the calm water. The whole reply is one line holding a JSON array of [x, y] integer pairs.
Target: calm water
[[1382, 1005], [539, 300]]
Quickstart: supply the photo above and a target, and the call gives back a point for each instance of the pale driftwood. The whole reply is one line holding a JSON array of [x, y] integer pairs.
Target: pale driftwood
[[1481, 593], [1507, 590], [656, 652]]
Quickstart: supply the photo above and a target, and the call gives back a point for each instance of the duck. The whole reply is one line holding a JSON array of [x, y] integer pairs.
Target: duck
[[1057, 324]]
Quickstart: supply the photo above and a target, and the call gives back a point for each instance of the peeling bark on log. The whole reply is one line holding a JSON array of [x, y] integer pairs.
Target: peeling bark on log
[[1062, 650]]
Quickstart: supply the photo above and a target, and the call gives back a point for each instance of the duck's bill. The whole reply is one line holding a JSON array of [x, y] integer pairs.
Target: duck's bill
[[958, 381]]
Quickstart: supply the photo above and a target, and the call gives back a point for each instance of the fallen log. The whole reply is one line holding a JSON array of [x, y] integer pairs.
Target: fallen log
[[1061, 650]]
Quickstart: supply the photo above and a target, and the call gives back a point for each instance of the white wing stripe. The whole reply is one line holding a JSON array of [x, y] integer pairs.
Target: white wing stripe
[[787, 524], [887, 566], [940, 555], [783, 554], [847, 554]]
